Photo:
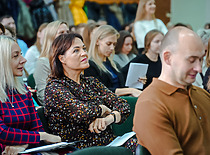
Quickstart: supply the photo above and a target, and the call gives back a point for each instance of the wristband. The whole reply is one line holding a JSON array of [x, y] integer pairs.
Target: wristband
[[113, 114]]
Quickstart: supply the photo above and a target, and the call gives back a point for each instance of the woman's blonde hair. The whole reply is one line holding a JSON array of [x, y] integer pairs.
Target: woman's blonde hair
[[93, 53], [7, 79], [141, 12], [49, 37], [37, 43]]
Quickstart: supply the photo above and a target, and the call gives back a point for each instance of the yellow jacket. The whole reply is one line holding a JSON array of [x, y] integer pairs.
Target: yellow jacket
[[76, 7]]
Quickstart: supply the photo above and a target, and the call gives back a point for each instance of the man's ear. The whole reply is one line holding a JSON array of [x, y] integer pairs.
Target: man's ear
[[62, 59], [167, 57]]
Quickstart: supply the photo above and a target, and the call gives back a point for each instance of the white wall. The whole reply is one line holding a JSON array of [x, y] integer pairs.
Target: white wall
[[193, 12]]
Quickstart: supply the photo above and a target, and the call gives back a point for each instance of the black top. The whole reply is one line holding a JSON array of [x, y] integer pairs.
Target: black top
[[154, 68], [206, 79], [104, 77]]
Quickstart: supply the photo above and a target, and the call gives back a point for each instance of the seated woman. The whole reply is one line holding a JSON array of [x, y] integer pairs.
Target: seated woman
[[20, 125], [206, 79], [34, 51], [102, 66], [42, 69], [150, 56], [125, 49], [78, 107]]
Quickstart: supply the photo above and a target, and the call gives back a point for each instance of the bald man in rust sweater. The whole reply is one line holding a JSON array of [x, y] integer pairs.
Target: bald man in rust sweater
[[172, 116]]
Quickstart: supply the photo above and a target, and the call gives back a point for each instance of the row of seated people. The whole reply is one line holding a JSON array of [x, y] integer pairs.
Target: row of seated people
[[71, 97], [101, 51], [77, 107], [67, 61]]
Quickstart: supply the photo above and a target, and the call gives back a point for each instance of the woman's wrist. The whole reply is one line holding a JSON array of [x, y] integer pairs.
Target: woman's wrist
[[43, 135], [114, 117]]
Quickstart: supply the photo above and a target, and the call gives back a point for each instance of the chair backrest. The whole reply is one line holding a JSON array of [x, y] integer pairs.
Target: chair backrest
[[140, 150], [127, 126], [31, 81], [43, 119], [103, 150]]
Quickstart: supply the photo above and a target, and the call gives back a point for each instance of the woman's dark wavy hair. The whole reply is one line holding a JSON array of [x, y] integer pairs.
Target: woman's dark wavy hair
[[59, 47], [120, 41]]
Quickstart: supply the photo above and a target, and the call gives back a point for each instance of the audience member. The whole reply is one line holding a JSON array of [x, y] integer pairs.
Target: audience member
[[9, 32], [102, 66], [207, 26], [150, 56], [42, 70], [2, 29], [87, 33], [205, 36], [84, 107], [125, 49], [8, 20], [80, 28], [171, 115], [145, 21], [20, 125], [206, 79], [34, 51]]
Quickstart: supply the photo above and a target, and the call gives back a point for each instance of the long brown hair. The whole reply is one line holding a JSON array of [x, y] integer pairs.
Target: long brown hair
[[120, 41], [148, 39], [59, 47]]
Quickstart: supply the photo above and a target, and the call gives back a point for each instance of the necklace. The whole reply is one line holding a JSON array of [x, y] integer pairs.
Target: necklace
[[12, 100]]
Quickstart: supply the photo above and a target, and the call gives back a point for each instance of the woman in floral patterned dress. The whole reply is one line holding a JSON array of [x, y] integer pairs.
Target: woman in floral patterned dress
[[78, 107]]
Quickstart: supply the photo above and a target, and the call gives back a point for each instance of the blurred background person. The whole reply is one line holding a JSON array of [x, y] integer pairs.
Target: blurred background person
[[42, 70], [150, 56], [9, 32], [125, 49], [8, 20], [87, 33], [206, 79], [2, 29], [34, 51], [204, 34], [145, 21]]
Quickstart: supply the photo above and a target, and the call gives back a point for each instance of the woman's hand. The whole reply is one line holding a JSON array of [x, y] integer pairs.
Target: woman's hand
[[100, 124], [105, 110], [49, 138], [14, 150], [142, 80], [135, 92], [128, 91]]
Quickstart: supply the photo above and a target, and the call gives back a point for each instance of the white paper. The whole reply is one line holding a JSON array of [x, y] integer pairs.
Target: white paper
[[135, 71], [120, 140], [48, 147]]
